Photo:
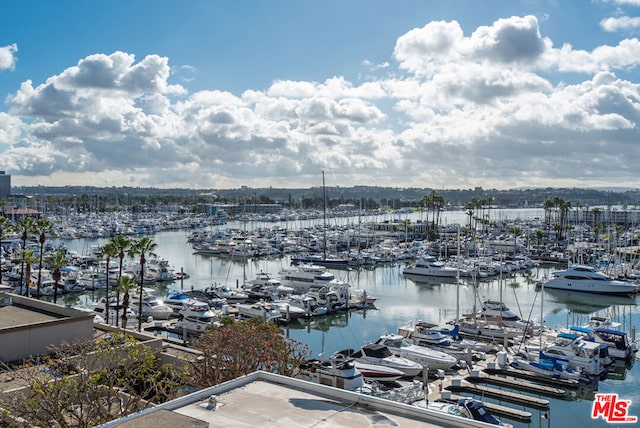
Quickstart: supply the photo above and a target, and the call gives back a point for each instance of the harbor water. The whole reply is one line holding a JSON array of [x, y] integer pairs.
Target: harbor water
[[401, 300]]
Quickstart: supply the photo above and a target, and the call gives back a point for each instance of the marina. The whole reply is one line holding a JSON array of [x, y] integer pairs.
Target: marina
[[400, 300]]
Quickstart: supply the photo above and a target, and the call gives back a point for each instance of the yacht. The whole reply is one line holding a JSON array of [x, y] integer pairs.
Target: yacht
[[152, 306], [589, 280], [617, 341], [580, 355], [258, 310], [430, 266], [195, 318], [381, 355], [338, 372], [425, 356], [305, 276]]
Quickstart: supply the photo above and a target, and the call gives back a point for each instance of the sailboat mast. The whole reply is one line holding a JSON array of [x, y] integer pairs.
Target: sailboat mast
[[324, 217]]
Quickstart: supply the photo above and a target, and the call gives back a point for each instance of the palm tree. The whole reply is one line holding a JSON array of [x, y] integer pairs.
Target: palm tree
[[107, 251], [122, 245], [56, 261], [42, 227], [24, 227], [27, 258], [143, 246], [125, 283]]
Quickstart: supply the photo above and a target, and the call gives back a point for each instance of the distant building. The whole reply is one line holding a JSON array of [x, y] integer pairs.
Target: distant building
[[5, 185]]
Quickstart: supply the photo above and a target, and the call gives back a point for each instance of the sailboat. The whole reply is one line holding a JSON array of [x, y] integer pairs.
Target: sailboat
[[323, 259], [545, 365]]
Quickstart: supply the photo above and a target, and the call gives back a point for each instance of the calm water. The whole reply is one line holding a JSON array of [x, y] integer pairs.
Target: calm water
[[401, 300]]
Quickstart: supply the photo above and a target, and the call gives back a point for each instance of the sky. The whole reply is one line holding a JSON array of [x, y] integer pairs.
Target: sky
[[213, 94]]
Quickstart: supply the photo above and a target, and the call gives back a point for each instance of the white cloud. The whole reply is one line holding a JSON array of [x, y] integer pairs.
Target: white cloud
[[453, 110], [620, 23], [7, 57]]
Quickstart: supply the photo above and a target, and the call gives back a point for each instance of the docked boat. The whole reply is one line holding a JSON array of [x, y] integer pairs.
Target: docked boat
[[554, 368], [287, 308], [466, 407], [617, 341], [304, 276], [337, 371], [152, 306], [589, 280], [372, 371], [195, 318], [427, 334], [176, 300], [381, 355], [258, 310], [425, 356], [310, 305], [580, 355], [431, 267]]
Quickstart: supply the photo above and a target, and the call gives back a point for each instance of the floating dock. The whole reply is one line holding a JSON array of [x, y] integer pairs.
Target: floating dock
[[512, 383], [461, 385]]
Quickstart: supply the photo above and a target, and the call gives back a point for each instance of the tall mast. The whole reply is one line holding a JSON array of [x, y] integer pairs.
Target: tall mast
[[324, 226]]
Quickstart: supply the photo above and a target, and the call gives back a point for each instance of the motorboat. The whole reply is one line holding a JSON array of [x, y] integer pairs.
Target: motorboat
[[337, 371], [466, 407], [195, 318], [310, 305], [208, 296], [427, 334], [176, 300], [432, 267], [304, 276], [152, 306], [262, 310], [617, 341], [265, 284], [589, 280], [371, 371], [580, 354], [425, 356], [554, 368], [374, 353], [231, 295], [287, 308], [334, 296]]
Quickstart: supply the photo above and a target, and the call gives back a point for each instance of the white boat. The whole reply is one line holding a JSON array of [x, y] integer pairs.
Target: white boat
[[580, 355], [258, 310], [466, 407], [309, 305], [432, 267], [304, 276], [425, 356], [378, 373], [548, 368], [176, 300], [589, 280], [287, 308], [373, 360], [334, 296], [195, 318], [427, 334], [228, 293], [617, 341], [337, 371], [152, 306]]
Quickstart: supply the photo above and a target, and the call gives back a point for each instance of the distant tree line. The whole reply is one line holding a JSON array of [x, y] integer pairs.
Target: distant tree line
[[96, 199]]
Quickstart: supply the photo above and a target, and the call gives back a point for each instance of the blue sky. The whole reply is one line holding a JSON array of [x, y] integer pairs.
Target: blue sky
[[219, 94]]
